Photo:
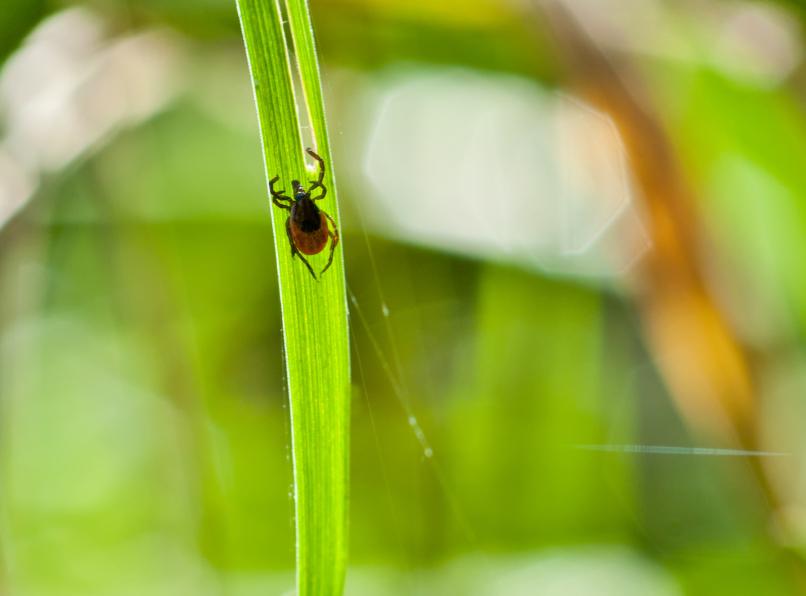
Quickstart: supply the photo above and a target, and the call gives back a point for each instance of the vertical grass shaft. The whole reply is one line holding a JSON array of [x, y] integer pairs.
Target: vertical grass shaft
[[314, 312]]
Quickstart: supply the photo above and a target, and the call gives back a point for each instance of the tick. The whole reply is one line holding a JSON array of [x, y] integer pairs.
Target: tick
[[307, 225]]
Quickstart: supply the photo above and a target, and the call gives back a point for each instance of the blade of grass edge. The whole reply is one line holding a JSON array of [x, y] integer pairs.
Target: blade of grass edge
[[314, 312]]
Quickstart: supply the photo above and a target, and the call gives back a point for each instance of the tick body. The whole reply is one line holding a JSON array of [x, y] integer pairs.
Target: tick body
[[308, 227]]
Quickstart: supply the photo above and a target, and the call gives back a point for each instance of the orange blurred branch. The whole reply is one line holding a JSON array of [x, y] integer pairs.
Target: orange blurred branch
[[709, 371]]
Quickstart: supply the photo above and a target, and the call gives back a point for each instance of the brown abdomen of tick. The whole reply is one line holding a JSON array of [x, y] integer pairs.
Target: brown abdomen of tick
[[313, 242]]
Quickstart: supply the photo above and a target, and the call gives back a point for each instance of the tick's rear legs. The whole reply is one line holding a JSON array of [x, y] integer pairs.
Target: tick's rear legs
[[294, 250]]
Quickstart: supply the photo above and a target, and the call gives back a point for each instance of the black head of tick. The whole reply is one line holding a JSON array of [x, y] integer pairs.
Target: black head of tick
[[299, 192]]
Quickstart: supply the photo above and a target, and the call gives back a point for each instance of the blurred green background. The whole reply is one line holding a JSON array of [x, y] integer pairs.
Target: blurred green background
[[574, 236]]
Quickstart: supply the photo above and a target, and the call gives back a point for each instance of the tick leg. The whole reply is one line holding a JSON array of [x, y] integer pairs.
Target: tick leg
[[294, 250], [321, 167], [317, 185], [307, 264], [272, 182], [276, 200], [277, 195], [290, 237], [334, 237]]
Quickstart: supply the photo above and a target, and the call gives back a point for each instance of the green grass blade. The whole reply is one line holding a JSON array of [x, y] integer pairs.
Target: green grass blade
[[314, 312], [299, 20]]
